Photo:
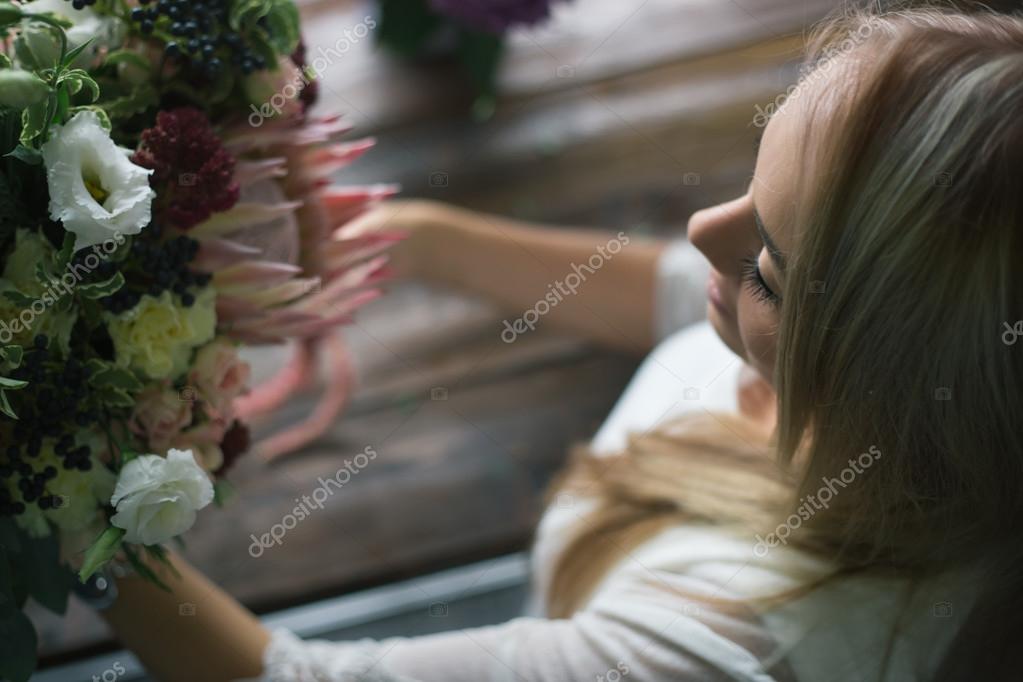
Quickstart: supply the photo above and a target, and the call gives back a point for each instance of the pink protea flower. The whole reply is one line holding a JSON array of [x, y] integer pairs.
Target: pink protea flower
[[284, 266]]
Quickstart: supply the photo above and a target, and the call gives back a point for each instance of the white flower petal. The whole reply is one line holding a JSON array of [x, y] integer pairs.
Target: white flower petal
[[82, 147]]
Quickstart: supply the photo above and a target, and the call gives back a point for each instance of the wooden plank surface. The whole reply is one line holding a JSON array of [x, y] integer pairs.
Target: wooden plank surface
[[652, 122]]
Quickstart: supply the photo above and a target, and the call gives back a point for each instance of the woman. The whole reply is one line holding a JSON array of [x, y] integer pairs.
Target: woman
[[864, 531]]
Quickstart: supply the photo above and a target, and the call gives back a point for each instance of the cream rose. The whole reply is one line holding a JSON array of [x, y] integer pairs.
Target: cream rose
[[157, 336], [156, 498], [95, 191]]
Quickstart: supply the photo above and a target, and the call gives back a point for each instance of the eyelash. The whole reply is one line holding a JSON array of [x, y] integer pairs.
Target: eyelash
[[754, 281]]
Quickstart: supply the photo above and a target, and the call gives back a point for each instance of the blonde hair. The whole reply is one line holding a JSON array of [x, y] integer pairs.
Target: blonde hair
[[909, 234]]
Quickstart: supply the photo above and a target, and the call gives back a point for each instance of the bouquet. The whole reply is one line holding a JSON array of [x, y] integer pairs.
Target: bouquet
[[150, 224], [473, 30]]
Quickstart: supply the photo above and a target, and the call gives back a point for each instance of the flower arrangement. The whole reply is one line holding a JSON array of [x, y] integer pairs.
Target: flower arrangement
[[473, 30], [148, 229]]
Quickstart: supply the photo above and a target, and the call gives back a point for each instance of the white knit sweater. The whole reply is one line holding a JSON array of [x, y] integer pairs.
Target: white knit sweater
[[655, 617]]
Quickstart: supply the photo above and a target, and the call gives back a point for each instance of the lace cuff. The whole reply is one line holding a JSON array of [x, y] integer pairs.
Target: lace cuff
[[290, 659], [682, 273]]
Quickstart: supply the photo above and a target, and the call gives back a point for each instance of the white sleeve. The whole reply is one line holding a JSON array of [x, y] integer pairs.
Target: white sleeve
[[682, 273], [639, 636]]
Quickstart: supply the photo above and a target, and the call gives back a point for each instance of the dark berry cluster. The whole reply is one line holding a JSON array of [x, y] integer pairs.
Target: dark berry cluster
[[53, 405], [155, 265], [201, 34], [55, 399]]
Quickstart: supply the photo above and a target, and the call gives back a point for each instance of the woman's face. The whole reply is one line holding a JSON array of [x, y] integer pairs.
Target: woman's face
[[747, 241]]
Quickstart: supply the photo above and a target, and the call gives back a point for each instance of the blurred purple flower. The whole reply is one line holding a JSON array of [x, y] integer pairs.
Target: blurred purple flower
[[494, 16]]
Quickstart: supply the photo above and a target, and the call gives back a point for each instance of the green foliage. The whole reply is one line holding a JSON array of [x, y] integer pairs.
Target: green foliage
[[101, 551], [280, 18], [10, 359], [137, 100], [29, 567], [410, 28], [102, 289], [407, 26]]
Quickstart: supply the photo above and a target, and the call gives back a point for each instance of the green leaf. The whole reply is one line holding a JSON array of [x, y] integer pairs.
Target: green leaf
[[112, 396], [245, 13], [143, 97], [283, 25], [77, 79], [26, 154], [73, 54], [18, 644], [5, 406], [63, 257], [5, 61], [49, 581], [17, 298], [104, 120], [12, 384], [101, 551], [10, 13], [222, 492], [142, 569], [33, 121], [160, 554], [104, 288], [12, 354], [116, 377], [43, 273]]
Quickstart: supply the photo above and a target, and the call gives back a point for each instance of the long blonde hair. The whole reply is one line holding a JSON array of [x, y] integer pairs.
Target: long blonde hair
[[906, 272]]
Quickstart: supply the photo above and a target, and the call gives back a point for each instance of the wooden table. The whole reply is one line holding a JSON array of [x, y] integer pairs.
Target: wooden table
[[619, 115]]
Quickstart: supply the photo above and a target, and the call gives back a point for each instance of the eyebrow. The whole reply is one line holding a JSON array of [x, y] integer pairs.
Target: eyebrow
[[772, 249]]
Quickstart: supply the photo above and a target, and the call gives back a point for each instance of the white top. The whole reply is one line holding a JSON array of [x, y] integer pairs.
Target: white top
[[645, 621]]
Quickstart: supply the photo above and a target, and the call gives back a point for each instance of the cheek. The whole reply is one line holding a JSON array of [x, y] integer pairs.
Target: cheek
[[758, 328]]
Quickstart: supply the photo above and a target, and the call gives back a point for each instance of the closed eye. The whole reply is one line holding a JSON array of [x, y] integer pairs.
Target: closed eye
[[754, 281]]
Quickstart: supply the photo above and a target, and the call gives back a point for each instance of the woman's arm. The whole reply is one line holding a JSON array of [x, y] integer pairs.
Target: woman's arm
[[197, 632], [518, 265]]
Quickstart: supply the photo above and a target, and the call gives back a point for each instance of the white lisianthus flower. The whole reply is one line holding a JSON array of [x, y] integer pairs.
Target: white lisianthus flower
[[156, 498], [95, 191]]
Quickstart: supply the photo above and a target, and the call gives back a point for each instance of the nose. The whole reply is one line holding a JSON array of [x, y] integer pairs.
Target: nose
[[722, 232]]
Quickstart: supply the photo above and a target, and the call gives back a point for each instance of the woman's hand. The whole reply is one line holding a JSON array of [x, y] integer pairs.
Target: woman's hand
[[421, 221], [594, 284], [195, 632]]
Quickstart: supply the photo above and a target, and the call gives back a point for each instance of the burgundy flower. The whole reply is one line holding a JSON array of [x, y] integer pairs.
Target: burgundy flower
[[234, 445], [494, 16], [193, 173], [311, 90]]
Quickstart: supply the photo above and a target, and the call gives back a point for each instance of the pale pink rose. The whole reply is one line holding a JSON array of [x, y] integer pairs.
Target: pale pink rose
[[160, 415], [204, 442], [219, 376]]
